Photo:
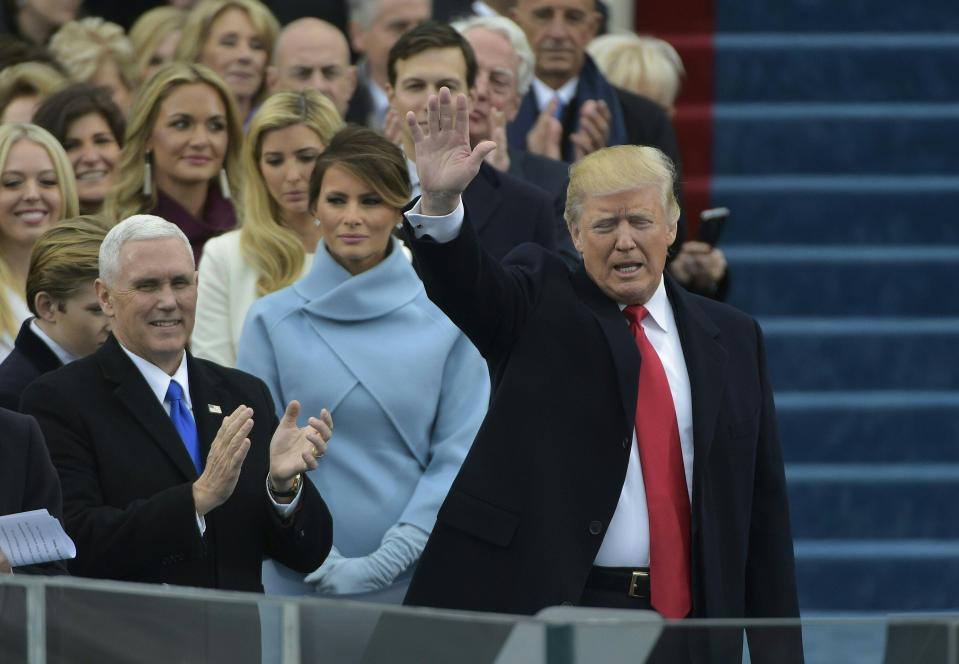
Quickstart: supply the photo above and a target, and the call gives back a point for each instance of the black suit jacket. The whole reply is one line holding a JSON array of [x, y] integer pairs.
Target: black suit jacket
[[552, 176], [527, 513], [27, 478], [506, 212], [30, 358], [127, 478]]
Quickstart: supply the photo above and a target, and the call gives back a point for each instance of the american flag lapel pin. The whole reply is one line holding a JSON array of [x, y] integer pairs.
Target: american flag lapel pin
[[215, 408]]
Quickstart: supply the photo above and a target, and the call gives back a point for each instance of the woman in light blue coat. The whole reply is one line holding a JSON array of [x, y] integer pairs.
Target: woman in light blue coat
[[406, 388]]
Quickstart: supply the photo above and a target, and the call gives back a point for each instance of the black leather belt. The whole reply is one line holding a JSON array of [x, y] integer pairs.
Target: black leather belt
[[634, 582]]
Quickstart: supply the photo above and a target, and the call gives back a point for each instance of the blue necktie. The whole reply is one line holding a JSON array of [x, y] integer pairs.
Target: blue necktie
[[185, 426], [560, 108]]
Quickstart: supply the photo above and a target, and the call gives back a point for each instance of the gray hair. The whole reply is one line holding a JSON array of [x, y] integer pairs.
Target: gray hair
[[135, 228], [517, 39], [364, 12]]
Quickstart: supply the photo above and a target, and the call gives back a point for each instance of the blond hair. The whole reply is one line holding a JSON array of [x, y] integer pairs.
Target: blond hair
[[200, 19], [81, 46], [273, 250], [127, 197], [28, 79], [150, 29], [621, 168], [645, 65], [69, 203], [65, 259]]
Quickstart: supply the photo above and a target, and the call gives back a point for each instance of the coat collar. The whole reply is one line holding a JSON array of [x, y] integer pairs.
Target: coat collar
[[706, 360], [34, 349], [333, 293], [702, 349], [133, 392], [621, 343]]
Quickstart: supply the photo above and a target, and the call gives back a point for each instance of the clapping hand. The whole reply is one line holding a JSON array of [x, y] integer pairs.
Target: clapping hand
[[294, 449], [546, 134], [498, 158], [224, 462], [593, 131], [444, 160]]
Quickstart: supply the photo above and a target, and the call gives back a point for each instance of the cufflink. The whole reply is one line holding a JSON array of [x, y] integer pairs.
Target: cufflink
[[215, 408]]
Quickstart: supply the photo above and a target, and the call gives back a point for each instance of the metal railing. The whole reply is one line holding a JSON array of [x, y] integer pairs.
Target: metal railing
[[61, 619]]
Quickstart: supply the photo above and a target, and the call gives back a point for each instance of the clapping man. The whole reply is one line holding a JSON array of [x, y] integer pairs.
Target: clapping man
[[174, 469]]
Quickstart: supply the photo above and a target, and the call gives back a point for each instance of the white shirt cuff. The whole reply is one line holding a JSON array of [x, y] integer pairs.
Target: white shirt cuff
[[201, 523], [441, 229], [284, 509]]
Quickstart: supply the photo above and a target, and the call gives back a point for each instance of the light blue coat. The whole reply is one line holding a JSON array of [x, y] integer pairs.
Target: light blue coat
[[407, 390]]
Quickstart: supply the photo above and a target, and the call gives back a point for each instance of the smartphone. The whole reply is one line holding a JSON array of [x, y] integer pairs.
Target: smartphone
[[711, 224]]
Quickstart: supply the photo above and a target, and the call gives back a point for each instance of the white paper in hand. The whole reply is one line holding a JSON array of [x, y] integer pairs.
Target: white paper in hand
[[29, 538]]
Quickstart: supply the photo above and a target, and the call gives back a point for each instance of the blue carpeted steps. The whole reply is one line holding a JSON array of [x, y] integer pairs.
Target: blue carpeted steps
[[836, 145], [844, 281], [861, 68], [914, 210], [896, 426]]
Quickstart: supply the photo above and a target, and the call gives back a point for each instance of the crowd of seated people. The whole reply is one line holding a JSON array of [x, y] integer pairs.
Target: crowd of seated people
[[239, 264]]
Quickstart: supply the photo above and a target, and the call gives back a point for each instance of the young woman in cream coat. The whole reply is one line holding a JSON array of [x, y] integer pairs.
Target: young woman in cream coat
[[275, 244]]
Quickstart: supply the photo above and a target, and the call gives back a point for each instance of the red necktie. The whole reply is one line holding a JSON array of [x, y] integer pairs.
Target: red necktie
[[667, 500]]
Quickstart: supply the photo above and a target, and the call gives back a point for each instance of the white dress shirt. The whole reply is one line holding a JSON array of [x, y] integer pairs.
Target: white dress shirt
[[626, 543], [414, 178], [58, 350], [159, 382], [381, 103], [545, 94]]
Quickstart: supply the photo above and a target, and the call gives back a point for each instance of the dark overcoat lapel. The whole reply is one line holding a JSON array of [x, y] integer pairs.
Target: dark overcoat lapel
[[622, 346], [206, 390], [133, 392]]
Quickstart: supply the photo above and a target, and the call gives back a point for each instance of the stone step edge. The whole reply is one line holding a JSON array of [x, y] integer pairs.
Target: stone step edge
[[775, 326], [866, 400], [813, 253], [859, 550], [869, 473]]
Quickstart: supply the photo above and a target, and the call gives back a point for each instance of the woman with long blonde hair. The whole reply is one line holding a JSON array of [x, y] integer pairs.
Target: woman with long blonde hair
[[234, 38], [275, 244], [180, 158], [155, 37], [37, 189]]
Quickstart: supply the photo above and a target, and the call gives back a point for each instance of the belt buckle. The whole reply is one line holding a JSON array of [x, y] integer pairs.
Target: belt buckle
[[634, 582]]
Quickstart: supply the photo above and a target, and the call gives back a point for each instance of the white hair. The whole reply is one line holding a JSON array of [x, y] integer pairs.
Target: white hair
[[135, 228], [517, 39], [363, 12]]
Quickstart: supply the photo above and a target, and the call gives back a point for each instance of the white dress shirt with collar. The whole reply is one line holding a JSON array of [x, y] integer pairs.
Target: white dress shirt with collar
[[381, 103], [159, 382], [544, 93], [414, 178], [58, 350], [626, 543]]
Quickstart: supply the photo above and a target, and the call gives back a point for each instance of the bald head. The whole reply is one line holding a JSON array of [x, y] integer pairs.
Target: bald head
[[311, 53]]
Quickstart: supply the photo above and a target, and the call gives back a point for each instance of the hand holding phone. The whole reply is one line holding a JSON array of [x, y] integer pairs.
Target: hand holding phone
[[711, 224]]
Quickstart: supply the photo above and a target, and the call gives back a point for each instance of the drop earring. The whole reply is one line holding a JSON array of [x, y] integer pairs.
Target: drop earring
[[224, 184], [147, 176]]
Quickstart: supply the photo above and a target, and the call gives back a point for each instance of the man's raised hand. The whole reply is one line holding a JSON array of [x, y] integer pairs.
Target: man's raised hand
[[445, 162]]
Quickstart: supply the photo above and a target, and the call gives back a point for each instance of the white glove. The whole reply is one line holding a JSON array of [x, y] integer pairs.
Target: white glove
[[400, 548]]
